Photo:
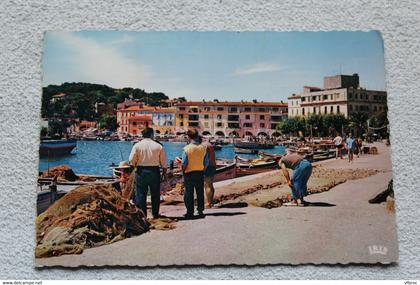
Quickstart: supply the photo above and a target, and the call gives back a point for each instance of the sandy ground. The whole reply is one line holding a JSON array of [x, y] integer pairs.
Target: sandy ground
[[338, 227]]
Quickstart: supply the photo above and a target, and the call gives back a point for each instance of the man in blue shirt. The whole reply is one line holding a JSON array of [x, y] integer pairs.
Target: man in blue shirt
[[351, 145]]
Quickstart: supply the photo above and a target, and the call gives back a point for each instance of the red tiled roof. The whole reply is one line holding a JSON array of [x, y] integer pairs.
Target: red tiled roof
[[233, 104]]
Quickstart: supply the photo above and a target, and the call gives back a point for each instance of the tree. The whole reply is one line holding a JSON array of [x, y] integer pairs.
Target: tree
[[108, 122], [334, 123], [292, 125], [358, 122]]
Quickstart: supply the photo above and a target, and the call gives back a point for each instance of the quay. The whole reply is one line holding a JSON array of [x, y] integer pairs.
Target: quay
[[339, 226]]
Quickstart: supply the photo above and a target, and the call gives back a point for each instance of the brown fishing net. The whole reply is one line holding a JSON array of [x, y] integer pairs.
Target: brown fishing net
[[62, 172], [86, 217]]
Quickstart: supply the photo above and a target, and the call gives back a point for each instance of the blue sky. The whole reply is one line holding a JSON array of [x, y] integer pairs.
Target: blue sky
[[268, 66]]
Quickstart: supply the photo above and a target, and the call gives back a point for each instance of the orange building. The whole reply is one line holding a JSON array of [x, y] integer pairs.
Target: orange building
[[137, 123], [162, 119]]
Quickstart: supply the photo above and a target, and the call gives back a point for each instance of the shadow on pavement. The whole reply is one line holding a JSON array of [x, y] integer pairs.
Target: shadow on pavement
[[225, 214], [319, 204], [234, 205]]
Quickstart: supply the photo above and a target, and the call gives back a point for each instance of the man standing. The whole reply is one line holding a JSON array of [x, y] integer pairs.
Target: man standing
[[194, 163], [302, 170], [351, 144], [148, 156], [209, 174], [338, 142]]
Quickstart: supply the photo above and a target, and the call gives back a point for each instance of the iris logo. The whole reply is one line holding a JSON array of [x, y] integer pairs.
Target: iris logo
[[378, 249]]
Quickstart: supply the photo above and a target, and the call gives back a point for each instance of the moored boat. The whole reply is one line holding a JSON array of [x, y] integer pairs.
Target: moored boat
[[253, 145], [56, 147], [245, 151]]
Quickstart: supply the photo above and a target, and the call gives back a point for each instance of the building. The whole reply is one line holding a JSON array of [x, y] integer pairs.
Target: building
[[129, 103], [162, 120], [104, 109], [237, 119], [136, 124], [341, 95]]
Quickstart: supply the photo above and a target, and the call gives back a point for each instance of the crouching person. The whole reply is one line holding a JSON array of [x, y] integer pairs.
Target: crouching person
[[302, 170]]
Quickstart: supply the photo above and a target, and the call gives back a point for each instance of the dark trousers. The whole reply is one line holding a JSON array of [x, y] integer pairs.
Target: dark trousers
[[148, 177], [194, 180]]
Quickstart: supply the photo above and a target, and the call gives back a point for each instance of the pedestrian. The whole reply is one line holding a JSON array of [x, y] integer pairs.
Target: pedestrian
[[302, 170], [194, 163], [123, 170], [338, 142], [351, 145], [359, 144], [148, 156], [209, 174]]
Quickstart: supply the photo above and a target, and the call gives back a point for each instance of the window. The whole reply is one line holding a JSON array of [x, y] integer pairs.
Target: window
[[193, 117], [278, 118], [277, 109], [193, 124], [194, 110], [247, 109], [181, 124], [375, 108], [206, 109], [293, 102], [219, 117], [233, 110], [338, 109], [314, 110], [303, 111], [247, 125], [262, 117], [262, 125], [350, 96], [303, 99], [206, 124], [273, 126], [325, 110], [261, 109], [325, 97], [206, 116], [233, 125], [220, 108], [313, 98], [332, 109], [331, 96], [247, 117], [233, 117], [219, 125]]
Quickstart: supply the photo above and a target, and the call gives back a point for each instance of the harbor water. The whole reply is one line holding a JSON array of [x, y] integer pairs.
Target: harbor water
[[95, 157]]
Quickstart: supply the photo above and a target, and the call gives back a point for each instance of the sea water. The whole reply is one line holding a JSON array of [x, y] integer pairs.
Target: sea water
[[95, 157]]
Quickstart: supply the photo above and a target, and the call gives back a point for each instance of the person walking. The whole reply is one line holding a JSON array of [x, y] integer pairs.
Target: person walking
[[338, 142], [209, 174], [194, 163], [302, 170], [351, 145], [148, 156]]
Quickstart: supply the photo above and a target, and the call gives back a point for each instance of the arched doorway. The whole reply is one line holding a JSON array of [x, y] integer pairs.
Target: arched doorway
[[220, 134], [248, 133], [206, 133], [234, 134], [264, 134], [276, 134], [157, 131]]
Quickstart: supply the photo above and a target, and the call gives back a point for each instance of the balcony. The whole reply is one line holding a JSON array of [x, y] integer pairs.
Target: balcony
[[193, 117], [233, 118]]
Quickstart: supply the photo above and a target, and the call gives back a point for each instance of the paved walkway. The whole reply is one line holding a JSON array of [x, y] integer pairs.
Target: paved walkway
[[339, 228]]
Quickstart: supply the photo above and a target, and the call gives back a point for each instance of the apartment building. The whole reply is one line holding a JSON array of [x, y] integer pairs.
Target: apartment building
[[237, 119], [341, 94]]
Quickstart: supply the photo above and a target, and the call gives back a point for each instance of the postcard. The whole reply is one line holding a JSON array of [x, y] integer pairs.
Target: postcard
[[214, 148]]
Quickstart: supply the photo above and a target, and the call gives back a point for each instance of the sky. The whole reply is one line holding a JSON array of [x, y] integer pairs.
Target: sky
[[267, 66]]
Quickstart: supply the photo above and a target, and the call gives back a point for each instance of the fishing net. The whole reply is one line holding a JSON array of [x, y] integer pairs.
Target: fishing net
[[86, 217]]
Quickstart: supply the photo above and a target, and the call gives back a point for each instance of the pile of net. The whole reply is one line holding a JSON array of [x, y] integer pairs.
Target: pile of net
[[86, 217], [62, 172]]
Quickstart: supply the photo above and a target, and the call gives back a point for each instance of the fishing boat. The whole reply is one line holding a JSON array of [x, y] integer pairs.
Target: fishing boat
[[253, 145], [254, 166], [50, 190], [245, 151], [56, 147], [225, 171]]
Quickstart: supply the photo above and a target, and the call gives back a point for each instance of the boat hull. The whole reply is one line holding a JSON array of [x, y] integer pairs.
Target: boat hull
[[56, 148]]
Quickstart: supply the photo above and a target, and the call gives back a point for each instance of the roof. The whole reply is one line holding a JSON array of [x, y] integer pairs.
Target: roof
[[312, 87], [59, 95], [149, 108], [233, 104]]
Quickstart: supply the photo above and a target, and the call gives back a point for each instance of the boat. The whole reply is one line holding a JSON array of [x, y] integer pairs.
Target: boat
[[254, 166], [50, 190], [245, 151], [253, 145], [269, 155], [225, 171], [56, 147]]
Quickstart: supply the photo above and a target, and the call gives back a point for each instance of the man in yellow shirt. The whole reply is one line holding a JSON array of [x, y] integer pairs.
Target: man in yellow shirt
[[194, 162]]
